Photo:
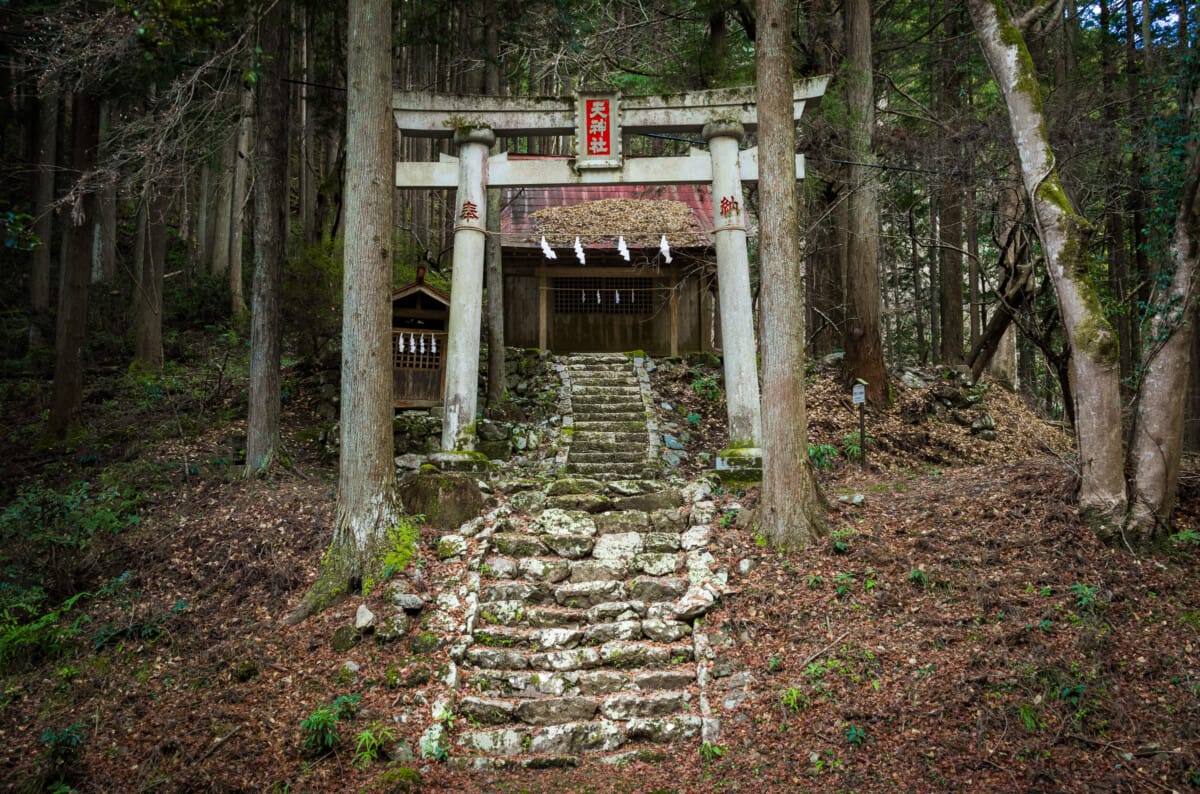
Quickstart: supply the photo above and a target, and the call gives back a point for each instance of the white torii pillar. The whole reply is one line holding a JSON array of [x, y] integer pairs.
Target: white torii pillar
[[466, 292], [737, 309]]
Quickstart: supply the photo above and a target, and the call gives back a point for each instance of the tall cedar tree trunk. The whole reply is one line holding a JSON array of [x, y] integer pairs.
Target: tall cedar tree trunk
[[73, 297], [494, 261], [1094, 364], [863, 339], [792, 510], [1158, 423], [270, 240], [241, 170], [1114, 218], [104, 240], [307, 182], [223, 206], [369, 522], [39, 280], [202, 247], [148, 294], [950, 201]]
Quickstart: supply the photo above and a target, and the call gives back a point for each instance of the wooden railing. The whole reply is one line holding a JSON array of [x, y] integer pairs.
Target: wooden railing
[[413, 348]]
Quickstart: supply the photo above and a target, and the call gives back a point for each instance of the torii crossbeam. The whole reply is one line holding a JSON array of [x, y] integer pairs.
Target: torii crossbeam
[[596, 119]]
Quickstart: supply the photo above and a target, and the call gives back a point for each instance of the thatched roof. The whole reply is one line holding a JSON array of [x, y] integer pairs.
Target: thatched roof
[[642, 222], [600, 214]]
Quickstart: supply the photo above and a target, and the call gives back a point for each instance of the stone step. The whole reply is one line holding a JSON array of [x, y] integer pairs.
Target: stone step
[[608, 412], [602, 385], [566, 740], [610, 419], [621, 456], [621, 654], [605, 378], [608, 402], [601, 358], [505, 685], [590, 363], [627, 427], [531, 706], [628, 401], [604, 471], [618, 654], [607, 442], [649, 551], [602, 380], [587, 502], [581, 607], [605, 438], [561, 638]]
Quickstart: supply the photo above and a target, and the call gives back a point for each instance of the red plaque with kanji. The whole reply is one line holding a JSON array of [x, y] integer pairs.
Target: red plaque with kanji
[[598, 130]]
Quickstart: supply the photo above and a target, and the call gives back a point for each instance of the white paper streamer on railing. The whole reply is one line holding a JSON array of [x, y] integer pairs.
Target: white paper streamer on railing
[[433, 343], [583, 296], [623, 249], [412, 343], [400, 343], [422, 344], [617, 296], [665, 249], [547, 250], [597, 297], [579, 252]]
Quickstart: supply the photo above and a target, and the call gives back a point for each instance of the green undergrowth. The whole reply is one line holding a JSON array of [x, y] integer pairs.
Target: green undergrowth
[[49, 559]]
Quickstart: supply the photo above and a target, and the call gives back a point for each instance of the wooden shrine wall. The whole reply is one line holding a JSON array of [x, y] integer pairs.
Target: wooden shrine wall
[[603, 307]]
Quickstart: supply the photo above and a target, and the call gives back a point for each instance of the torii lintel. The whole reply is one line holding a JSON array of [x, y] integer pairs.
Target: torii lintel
[[695, 169], [431, 115]]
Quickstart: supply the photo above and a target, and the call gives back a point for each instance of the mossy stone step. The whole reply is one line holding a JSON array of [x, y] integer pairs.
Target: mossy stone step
[[587, 456], [612, 419], [606, 442], [627, 428], [605, 470], [584, 403]]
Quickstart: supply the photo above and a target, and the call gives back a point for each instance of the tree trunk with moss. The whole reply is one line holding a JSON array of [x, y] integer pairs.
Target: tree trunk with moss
[[1158, 423], [1095, 371], [791, 513], [369, 536]]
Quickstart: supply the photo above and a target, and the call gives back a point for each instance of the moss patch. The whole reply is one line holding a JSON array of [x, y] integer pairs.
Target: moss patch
[[399, 547], [446, 499]]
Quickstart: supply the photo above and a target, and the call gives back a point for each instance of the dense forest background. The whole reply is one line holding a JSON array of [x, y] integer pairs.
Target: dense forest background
[[159, 162], [175, 206]]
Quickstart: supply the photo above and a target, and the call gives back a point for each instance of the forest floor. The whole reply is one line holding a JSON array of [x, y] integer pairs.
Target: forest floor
[[960, 629]]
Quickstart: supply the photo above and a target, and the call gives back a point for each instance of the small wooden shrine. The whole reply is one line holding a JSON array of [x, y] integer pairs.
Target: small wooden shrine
[[420, 316], [610, 268]]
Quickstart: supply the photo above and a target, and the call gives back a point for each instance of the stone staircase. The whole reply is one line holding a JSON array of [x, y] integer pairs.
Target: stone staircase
[[608, 411], [582, 635]]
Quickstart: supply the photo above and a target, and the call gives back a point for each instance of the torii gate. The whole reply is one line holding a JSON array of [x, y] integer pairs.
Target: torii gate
[[596, 119]]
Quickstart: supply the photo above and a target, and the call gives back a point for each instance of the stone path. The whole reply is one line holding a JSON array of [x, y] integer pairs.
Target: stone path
[[609, 438], [581, 612], [581, 628]]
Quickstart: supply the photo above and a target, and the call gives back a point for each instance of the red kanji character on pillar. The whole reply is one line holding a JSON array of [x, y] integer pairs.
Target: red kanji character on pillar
[[730, 206]]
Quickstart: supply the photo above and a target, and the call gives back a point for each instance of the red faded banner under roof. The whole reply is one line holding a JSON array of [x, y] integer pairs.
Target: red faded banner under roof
[[518, 205]]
